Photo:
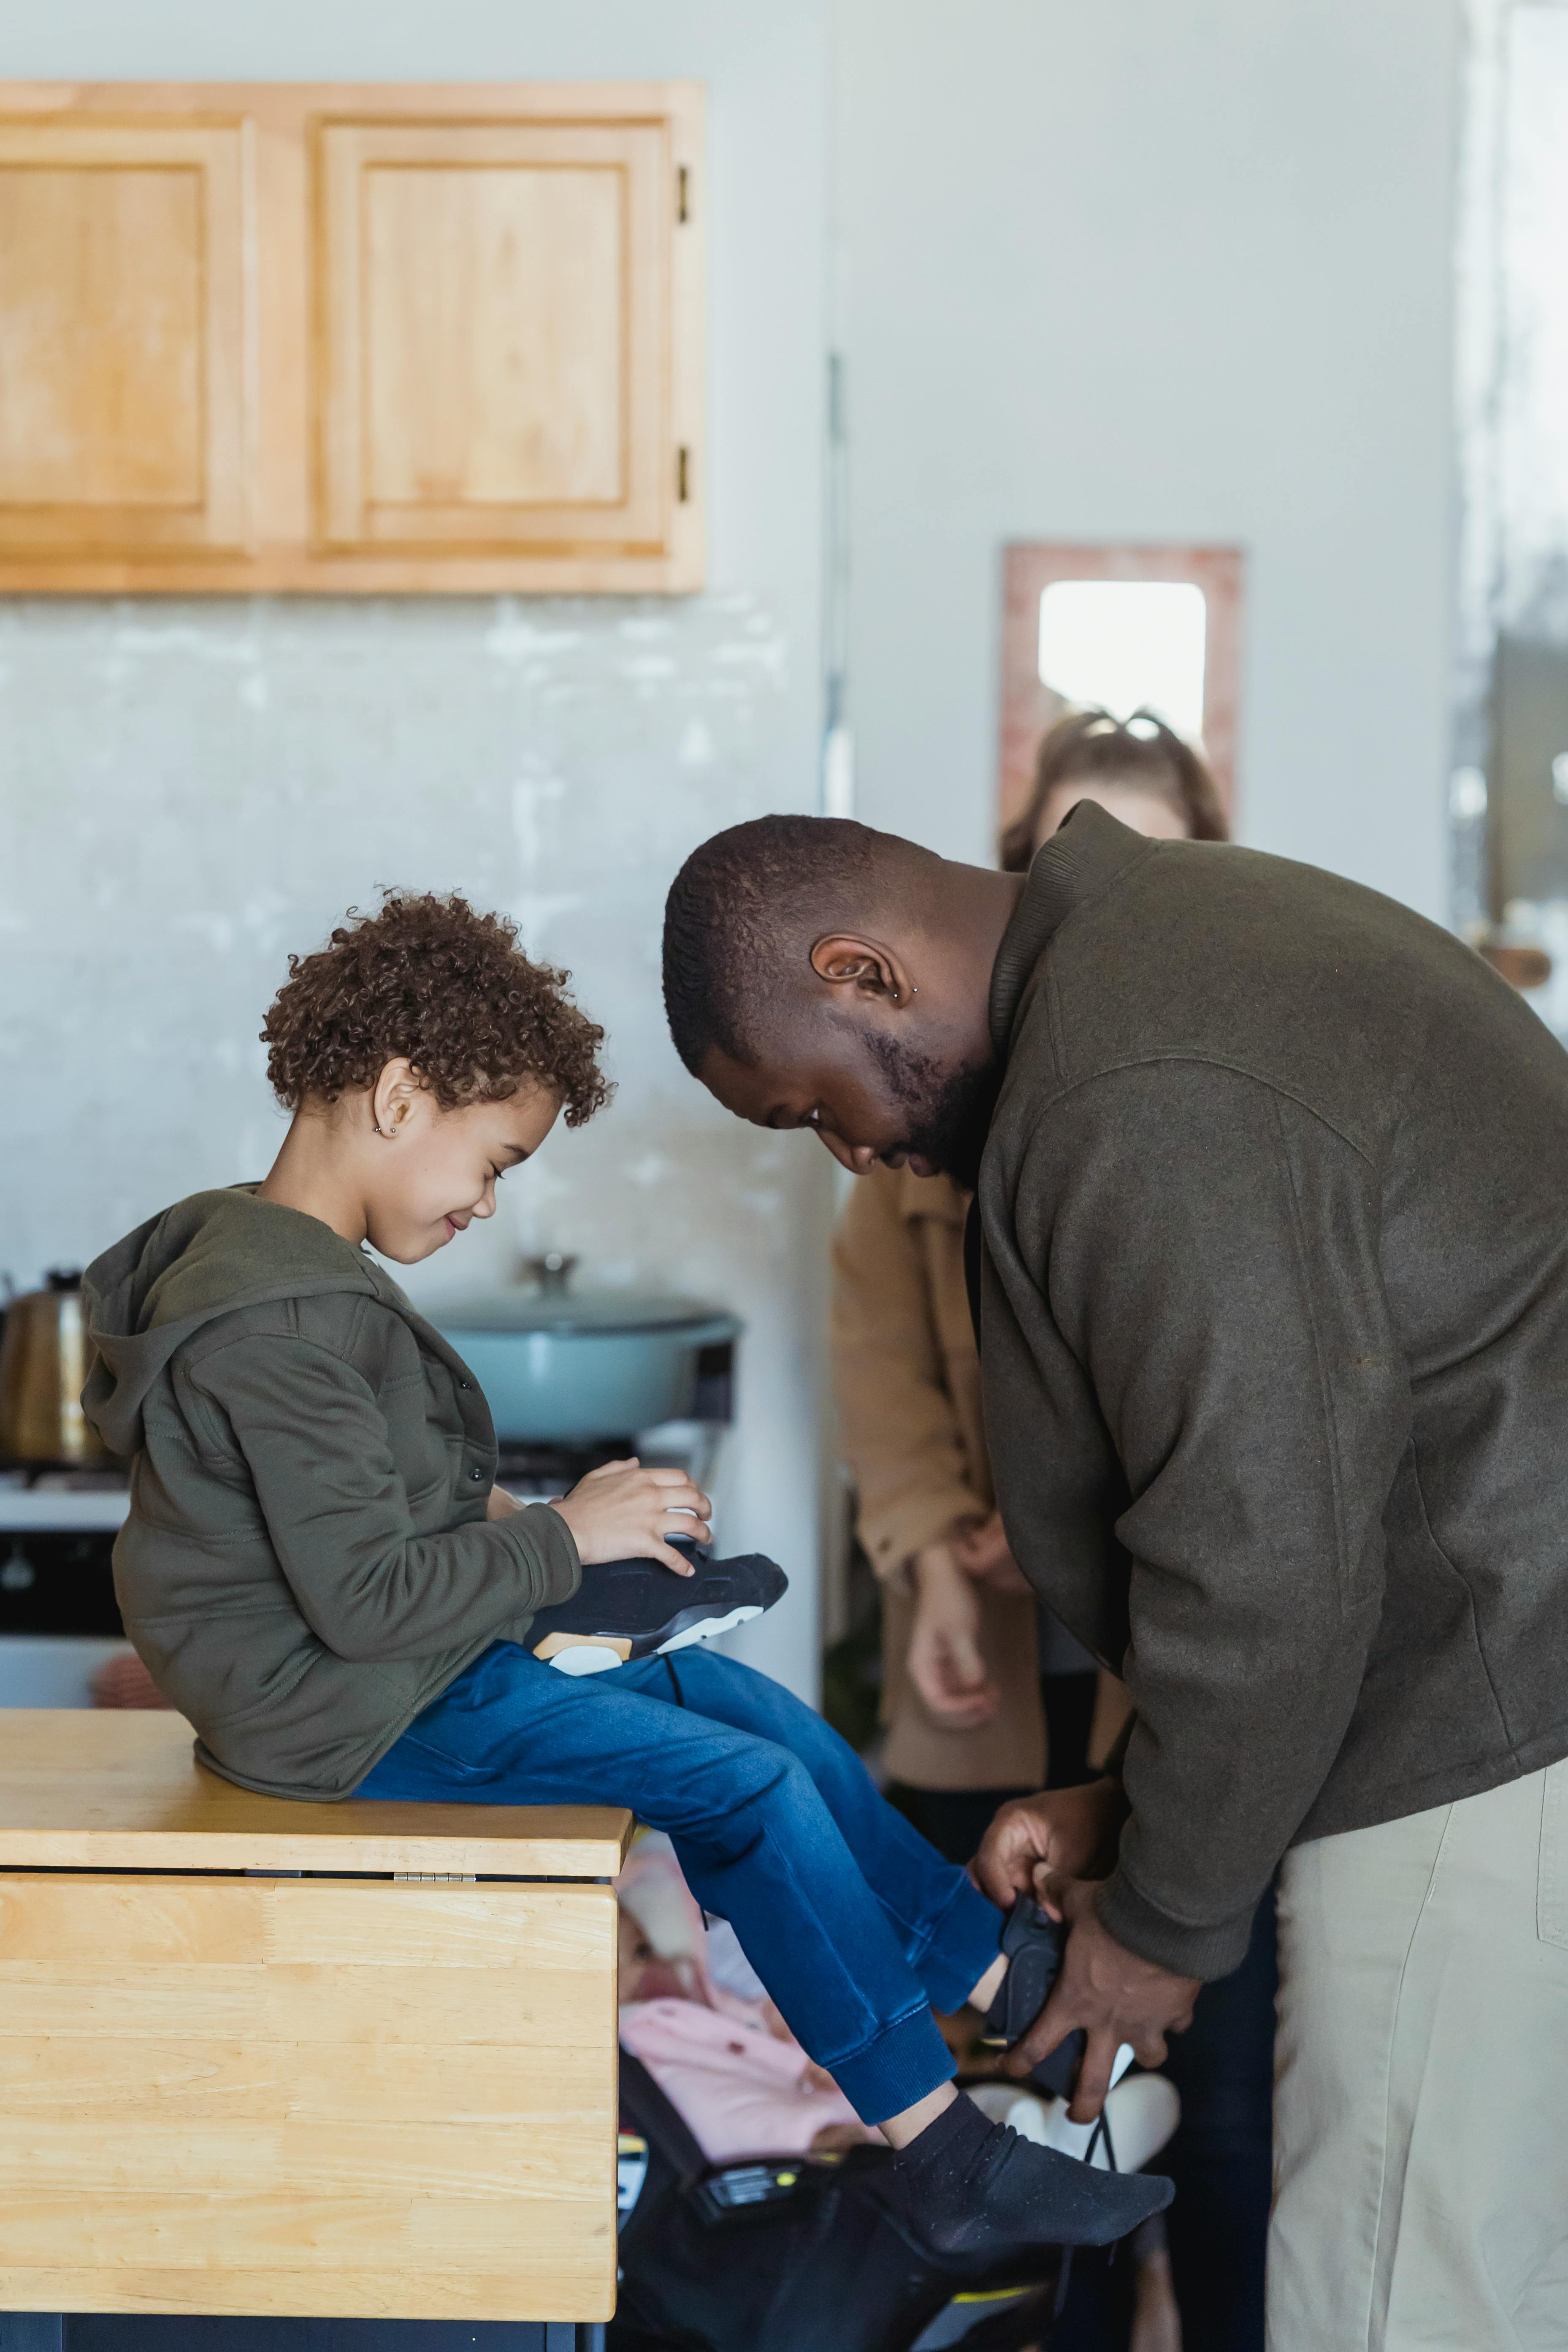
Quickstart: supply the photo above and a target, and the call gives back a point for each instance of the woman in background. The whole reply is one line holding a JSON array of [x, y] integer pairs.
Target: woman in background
[[982, 1690]]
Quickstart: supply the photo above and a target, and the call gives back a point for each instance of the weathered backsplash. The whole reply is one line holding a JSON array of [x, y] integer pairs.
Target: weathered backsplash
[[188, 790]]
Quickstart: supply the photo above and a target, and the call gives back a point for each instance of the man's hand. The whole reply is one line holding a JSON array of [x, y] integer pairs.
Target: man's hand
[[1065, 1832], [946, 1663], [501, 1504], [621, 1511], [1111, 1992], [980, 1551]]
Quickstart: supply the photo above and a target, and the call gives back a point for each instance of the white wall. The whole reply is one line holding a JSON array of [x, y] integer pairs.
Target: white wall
[[188, 790], [1145, 272]]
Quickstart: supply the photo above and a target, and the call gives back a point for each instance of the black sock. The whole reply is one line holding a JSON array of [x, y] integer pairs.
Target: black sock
[[947, 2148]]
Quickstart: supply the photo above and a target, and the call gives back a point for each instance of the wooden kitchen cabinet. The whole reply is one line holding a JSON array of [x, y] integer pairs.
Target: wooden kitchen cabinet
[[376, 337]]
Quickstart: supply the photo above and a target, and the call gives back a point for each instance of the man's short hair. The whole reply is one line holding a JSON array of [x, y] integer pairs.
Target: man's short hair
[[742, 906]]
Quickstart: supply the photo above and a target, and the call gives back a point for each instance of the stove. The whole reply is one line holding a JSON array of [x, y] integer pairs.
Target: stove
[[58, 1618], [59, 1621]]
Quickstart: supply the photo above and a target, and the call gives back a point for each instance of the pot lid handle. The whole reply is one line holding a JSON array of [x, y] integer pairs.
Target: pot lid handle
[[552, 1272]]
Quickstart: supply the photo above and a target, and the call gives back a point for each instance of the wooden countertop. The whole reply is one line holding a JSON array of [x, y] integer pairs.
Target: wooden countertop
[[105, 1790]]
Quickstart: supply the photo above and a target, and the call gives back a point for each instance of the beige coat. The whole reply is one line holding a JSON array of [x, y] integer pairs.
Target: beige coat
[[908, 1378]]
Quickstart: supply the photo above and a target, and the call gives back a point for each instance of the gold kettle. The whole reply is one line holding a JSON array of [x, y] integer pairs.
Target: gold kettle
[[43, 1364]]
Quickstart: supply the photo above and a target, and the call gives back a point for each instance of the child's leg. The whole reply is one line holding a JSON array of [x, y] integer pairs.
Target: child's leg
[[754, 1837], [947, 1930]]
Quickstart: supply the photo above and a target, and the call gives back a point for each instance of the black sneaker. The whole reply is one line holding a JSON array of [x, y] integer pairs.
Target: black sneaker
[[638, 1608], [1033, 1945], [972, 2191]]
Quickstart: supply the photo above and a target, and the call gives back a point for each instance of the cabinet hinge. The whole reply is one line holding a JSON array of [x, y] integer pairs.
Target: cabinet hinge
[[682, 194], [683, 474], [433, 1877]]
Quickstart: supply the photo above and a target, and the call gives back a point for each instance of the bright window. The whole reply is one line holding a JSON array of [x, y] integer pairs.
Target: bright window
[[1127, 645]]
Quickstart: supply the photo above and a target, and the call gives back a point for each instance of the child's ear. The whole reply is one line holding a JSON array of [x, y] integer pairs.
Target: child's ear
[[394, 1097]]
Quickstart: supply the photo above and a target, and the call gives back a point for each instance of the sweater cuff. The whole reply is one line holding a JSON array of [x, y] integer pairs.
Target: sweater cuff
[[545, 1546], [1185, 1947]]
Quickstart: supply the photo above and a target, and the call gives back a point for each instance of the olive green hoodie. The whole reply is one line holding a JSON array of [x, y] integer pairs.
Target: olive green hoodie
[[307, 1563]]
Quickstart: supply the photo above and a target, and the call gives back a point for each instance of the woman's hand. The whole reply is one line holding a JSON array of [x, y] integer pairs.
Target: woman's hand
[[1060, 1834], [946, 1663], [622, 1511], [980, 1551]]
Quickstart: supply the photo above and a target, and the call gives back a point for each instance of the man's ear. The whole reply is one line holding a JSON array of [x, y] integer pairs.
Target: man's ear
[[394, 1095], [869, 967]]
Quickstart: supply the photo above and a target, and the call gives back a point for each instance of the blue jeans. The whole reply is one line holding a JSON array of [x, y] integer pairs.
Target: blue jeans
[[856, 1925]]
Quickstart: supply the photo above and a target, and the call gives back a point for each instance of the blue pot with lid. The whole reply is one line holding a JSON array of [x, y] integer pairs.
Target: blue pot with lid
[[566, 1366]]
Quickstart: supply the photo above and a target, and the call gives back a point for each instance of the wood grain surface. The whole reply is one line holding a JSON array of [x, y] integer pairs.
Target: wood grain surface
[[351, 336], [120, 1789], [127, 307], [333, 2099]]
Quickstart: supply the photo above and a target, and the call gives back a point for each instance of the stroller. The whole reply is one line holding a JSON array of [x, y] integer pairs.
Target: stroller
[[790, 2254]]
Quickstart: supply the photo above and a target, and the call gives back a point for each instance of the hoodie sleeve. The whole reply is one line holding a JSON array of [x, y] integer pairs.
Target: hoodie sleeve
[[1208, 1251], [315, 1442]]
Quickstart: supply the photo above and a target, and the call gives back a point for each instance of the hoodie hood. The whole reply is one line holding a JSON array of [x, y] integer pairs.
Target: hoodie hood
[[203, 1258]]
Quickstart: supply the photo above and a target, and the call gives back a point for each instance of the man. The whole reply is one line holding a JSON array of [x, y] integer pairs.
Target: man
[[1273, 1288]]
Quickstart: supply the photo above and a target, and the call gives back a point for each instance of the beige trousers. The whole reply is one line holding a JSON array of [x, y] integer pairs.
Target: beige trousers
[[1421, 2106]]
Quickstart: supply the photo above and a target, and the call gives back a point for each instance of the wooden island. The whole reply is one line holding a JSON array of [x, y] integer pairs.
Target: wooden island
[[261, 2057]]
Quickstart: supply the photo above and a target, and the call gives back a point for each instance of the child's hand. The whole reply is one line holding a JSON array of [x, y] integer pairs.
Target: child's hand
[[622, 1511]]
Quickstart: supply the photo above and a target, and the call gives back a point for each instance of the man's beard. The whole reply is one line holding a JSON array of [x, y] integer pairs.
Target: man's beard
[[947, 1114]]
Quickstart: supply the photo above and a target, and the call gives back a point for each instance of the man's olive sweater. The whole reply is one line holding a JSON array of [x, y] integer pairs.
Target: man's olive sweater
[[1274, 1323], [307, 1563]]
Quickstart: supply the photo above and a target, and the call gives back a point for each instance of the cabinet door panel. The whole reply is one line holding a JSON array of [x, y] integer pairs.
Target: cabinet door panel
[[494, 337], [493, 357], [124, 262]]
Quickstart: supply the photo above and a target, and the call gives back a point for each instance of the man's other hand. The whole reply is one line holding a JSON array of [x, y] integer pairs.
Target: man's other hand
[[1065, 1832], [1108, 1990]]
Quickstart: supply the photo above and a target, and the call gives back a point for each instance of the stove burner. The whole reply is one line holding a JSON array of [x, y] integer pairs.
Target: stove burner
[[546, 1470]]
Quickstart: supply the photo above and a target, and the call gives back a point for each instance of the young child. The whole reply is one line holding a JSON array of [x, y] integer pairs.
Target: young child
[[318, 1570]]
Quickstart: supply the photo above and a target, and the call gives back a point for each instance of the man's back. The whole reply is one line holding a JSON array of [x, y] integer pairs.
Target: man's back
[[1276, 1342]]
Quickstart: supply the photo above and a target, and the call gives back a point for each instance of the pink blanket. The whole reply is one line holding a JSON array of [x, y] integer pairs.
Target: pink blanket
[[739, 2089], [720, 2053]]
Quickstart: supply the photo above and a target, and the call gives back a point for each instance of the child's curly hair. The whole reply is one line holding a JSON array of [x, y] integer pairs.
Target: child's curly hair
[[430, 978]]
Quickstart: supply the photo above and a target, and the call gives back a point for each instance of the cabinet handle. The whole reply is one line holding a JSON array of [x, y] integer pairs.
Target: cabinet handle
[[683, 474], [682, 189]]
